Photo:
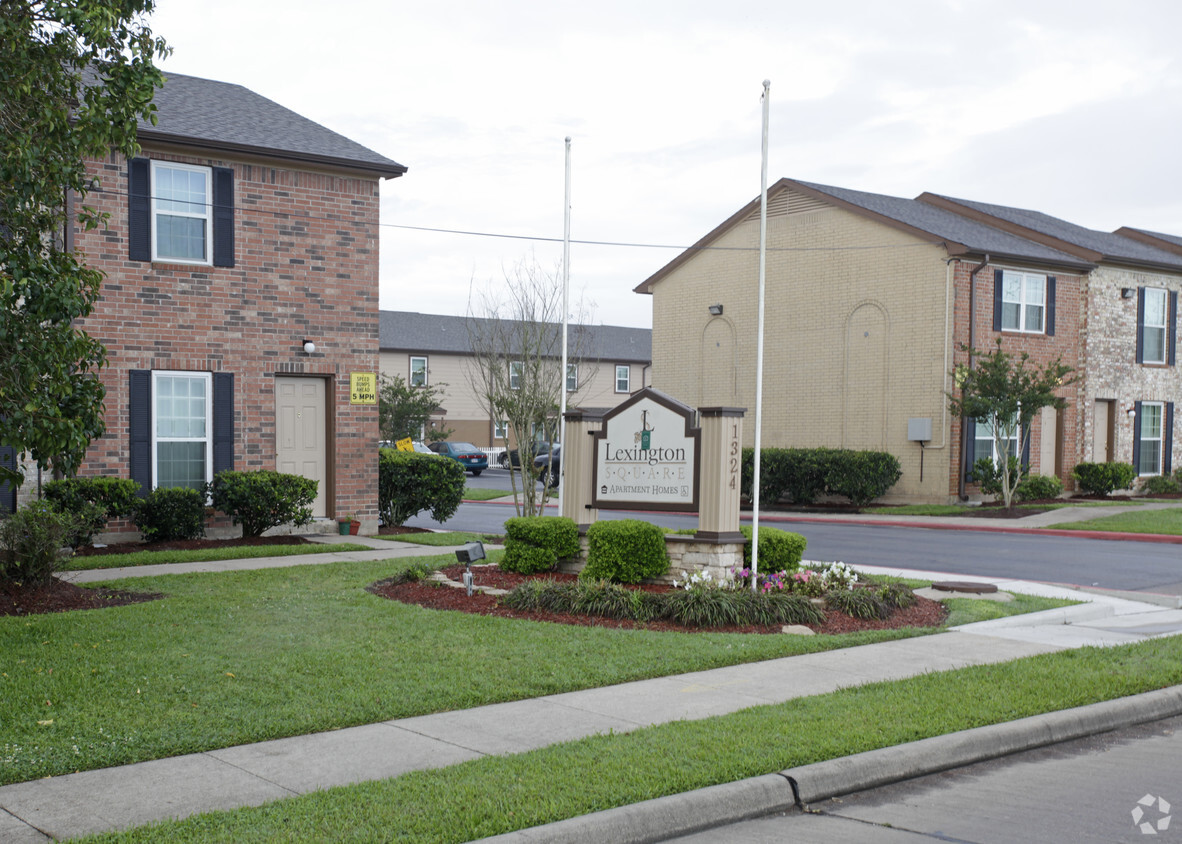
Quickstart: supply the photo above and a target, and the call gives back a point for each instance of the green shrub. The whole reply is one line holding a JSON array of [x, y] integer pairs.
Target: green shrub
[[31, 540], [1103, 478], [858, 603], [1160, 485], [263, 499], [86, 519], [171, 513], [779, 550], [896, 595], [537, 543], [117, 496], [1034, 487], [988, 475], [625, 551], [409, 483], [861, 476]]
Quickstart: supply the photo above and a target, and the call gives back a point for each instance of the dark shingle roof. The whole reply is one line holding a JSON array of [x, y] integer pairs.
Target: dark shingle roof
[[1111, 246], [948, 226], [221, 115], [413, 332]]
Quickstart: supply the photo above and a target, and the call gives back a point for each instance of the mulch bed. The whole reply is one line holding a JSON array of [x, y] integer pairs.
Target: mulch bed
[[60, 596], [924, 613]]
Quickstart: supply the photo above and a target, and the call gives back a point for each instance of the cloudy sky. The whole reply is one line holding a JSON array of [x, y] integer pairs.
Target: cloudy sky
[[1070, 108]]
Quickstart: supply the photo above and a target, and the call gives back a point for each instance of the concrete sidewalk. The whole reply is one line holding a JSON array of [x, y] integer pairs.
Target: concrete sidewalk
[[248, 775]]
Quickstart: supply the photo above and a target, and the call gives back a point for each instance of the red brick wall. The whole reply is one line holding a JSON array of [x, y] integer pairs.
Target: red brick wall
[[1066, 344], [306, 266]]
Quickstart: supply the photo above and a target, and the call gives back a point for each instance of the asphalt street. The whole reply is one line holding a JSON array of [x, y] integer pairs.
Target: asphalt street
[[1122, 786]]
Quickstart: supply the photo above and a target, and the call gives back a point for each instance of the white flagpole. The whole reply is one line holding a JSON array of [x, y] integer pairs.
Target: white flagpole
[[565, 319], [759, 343]]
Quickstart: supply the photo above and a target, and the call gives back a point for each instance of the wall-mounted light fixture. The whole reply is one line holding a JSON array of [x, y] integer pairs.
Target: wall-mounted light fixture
[[715, 310], [1127, 293], [1132, 412], [309, 347]]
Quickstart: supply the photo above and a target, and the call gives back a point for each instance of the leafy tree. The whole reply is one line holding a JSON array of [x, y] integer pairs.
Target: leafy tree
[[1006, 393], [516, 340], [75, 76], [404, 411]]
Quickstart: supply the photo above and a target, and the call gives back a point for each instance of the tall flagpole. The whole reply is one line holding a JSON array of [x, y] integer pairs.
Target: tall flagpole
[[565, 319], [759, 343]]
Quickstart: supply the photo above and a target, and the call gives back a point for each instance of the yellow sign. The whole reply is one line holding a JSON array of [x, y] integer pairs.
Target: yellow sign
[[404, 445], [363, 388]]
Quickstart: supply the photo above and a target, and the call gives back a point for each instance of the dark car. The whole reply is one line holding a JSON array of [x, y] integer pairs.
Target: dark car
[[467, 455], [513, 458], [548, 466]]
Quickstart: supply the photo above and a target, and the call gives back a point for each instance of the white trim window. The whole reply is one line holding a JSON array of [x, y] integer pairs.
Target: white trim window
[[182, 199], [500, 430], [515, 375], [623, 378], [985, 446], [572, 377], [1149, 460], [1154, 328], [182, 428], [418, 371], [1023, 302]]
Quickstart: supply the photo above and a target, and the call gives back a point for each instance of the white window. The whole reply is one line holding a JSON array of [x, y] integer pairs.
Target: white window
[[1150, 435], [181, 201], [572, 377], [1023, 302], [985, 446], [1153, 330], [515, 375], [500, 430], [418, 372], [182, 445], [623, 378]]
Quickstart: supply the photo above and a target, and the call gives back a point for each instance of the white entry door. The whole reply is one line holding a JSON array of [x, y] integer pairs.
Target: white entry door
[[301, 438]]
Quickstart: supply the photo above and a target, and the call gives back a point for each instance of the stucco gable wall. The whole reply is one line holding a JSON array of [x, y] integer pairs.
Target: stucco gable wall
[[856, 323]]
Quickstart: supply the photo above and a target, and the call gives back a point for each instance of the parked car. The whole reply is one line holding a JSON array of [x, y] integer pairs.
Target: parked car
[[467, 455], [548, 466], [513, 458], [421, 447]]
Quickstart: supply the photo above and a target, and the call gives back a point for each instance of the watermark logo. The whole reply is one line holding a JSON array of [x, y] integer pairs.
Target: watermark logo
[[1144, 808]]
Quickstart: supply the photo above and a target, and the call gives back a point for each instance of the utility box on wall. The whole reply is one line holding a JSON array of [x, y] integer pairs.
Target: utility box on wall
[[919, 429]]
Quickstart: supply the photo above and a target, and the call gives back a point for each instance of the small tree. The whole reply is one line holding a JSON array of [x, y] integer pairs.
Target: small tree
[[515, 332], [1006, 393], [406, 411]]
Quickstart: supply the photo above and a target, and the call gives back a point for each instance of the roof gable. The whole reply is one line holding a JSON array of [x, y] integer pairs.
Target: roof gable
[[224, 116]]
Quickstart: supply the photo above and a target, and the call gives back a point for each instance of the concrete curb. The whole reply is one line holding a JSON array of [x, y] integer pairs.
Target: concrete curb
[[707, 808]]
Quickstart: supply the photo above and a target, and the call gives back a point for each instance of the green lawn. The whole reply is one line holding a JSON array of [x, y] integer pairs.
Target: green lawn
[[499, 794], [230, 552], [1168, 521], [472, 494], [235, 657], [960, 509], [438, 539]]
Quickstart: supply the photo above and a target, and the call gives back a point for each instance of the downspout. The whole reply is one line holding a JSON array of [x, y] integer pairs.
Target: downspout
[[964, 443]]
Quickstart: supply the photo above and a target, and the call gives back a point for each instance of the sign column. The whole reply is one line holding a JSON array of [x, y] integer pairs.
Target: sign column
[[578, 461], [722, 473]]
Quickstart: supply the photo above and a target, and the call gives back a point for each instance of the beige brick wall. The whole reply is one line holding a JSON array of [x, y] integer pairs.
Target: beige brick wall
[[856, 331]]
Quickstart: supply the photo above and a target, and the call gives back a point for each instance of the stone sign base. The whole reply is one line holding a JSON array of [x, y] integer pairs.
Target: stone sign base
[[687, 554]]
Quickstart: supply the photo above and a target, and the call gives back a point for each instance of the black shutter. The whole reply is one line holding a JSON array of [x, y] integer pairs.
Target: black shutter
[[1050, 306], [139, 210], [223, 421], [997, 275], [1172, 335], [7, 490], [1167, 451], [223, 217], [970, 453], [1136, 437], [1140, 325], [139, 429], [1025, 459]]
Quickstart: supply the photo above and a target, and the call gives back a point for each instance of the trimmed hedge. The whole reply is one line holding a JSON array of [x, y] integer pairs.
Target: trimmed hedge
[[263, 499], [625, 551], [169, 513], [117, 496], [409, 482], [1104, 478], [30, 543], [779, 550], [802, 475], [1160, 485], [537, 543], [1038, 486]]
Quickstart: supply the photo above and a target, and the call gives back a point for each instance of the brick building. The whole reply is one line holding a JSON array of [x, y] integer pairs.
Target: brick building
[[241, 294], [869, 299]]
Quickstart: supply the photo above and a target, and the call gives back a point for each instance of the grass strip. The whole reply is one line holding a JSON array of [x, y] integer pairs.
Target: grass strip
[[1166, 522], [441, 539], [201, 555], [500, 794], [474, 494], [962, 510]]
